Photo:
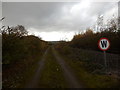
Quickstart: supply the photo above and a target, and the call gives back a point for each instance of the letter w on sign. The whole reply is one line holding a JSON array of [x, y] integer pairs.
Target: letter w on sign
[[104, 44]]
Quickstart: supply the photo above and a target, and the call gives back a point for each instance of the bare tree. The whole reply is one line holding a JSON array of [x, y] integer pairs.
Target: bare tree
[[100, 23]]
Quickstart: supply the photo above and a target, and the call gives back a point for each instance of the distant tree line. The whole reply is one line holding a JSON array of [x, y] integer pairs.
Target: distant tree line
[[89, 39]]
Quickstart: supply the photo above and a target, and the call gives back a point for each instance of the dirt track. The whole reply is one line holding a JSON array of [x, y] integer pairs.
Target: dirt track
[[68, 74]]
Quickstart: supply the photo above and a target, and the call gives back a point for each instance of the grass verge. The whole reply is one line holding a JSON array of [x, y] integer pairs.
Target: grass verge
[[89, 80], [30, 73]]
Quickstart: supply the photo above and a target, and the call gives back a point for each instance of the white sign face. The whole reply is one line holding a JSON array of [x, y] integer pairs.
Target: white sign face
[[104, 44]]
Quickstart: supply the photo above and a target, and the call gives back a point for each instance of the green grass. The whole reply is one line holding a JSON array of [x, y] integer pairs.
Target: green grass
[[93, 80], [52, 74], [88, 79]]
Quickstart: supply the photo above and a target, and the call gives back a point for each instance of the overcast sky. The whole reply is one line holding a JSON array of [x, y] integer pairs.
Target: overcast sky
[[53, 21]]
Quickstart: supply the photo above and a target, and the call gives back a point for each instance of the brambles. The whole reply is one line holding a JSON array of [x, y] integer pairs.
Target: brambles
[[20, 52]]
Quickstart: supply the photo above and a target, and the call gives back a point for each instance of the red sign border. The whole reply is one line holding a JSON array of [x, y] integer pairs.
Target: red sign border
[[100, 47]]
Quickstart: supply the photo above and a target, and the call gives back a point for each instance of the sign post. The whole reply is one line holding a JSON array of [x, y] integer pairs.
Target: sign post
[[104, 45], [105, 59]]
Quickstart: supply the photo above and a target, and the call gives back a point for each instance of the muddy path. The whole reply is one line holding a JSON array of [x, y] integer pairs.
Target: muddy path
[[68, 75]]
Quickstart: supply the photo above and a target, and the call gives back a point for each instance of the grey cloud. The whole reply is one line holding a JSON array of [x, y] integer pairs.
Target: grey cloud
[[52, 16]]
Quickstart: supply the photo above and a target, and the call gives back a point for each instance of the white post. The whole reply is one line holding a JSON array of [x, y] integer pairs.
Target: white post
[[105, 61]]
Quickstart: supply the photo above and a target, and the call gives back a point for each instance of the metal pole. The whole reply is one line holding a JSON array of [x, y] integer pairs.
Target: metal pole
[[105, 61]]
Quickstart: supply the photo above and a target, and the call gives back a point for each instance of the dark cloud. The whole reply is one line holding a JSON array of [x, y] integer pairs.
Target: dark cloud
[[54, 16]]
